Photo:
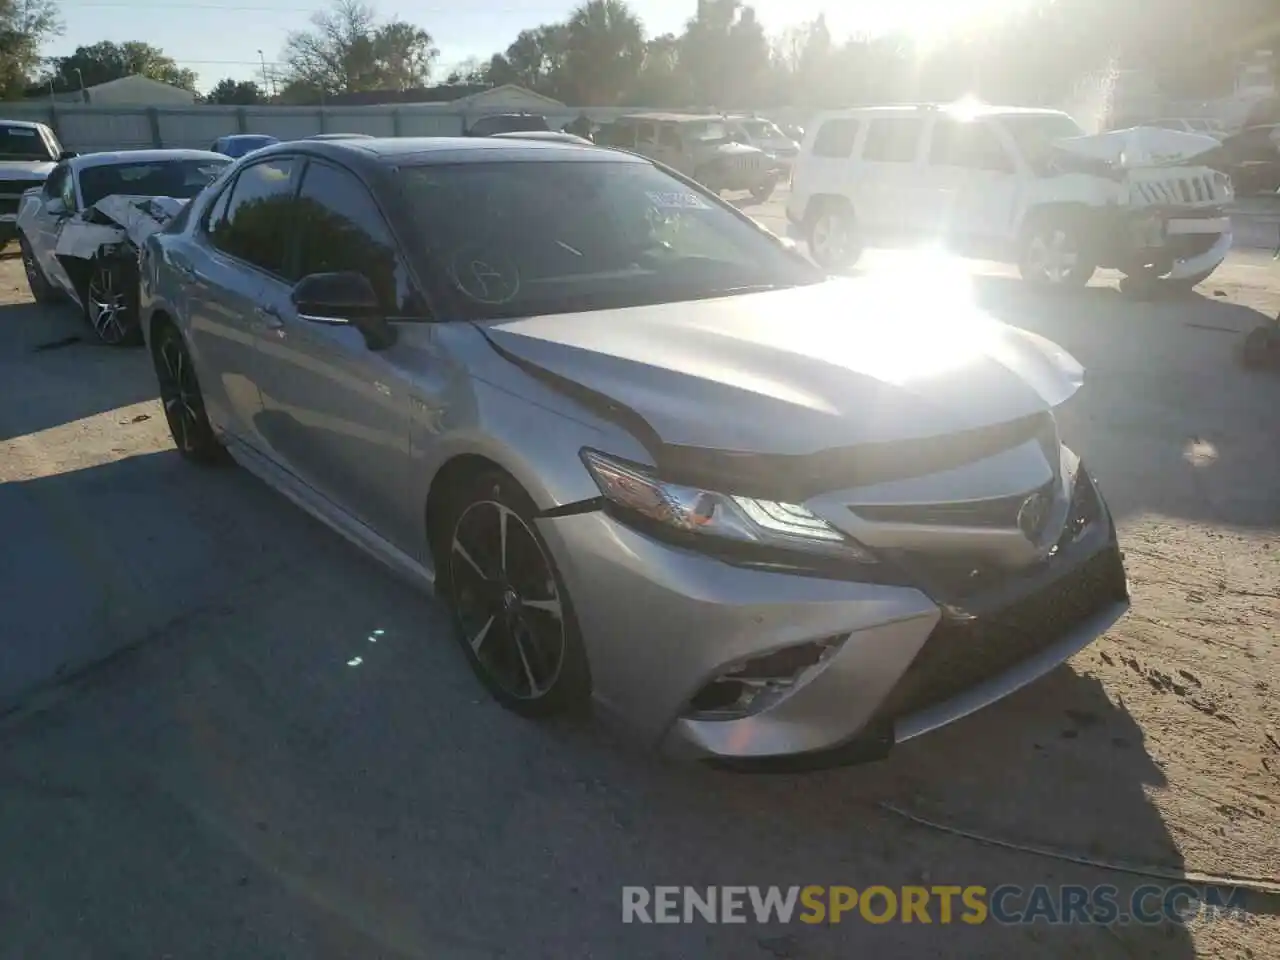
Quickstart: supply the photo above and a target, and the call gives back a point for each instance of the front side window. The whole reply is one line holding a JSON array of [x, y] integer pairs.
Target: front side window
[[339, 229], [180, 179], [972, 144], [521, 238], [252, 223], [1035, 134]]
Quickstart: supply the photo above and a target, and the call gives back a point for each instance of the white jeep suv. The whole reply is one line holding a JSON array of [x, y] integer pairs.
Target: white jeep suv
[[1017, 185]]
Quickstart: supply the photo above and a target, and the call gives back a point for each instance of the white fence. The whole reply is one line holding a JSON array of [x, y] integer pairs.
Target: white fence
[[89, 128]]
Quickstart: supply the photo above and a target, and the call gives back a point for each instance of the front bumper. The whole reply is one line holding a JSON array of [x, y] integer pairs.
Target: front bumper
[[1179, 245], [661, 623]]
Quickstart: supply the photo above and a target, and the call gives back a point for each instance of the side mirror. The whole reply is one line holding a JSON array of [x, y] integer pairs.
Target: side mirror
[[67, 155], [346, 297]]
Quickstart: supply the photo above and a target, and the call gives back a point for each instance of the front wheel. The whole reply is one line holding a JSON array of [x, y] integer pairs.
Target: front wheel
[[510, 608], [763, 191], [1055, 254], [110, 303]]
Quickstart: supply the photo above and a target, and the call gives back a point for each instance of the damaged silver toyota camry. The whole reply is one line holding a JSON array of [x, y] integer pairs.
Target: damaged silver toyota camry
[[649, 456]]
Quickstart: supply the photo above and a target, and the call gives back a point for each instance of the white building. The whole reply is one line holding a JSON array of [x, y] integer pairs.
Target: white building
[[138, 91]]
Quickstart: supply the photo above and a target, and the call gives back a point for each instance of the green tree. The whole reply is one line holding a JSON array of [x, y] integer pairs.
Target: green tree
[[231, 92], [347, 49], [605, 51], [24, 26], [104, 61]]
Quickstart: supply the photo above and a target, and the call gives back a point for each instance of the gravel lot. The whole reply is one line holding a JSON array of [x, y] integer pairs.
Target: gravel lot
[[290, 760]]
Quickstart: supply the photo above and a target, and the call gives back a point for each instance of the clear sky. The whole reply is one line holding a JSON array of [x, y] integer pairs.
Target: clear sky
[[219, 38]]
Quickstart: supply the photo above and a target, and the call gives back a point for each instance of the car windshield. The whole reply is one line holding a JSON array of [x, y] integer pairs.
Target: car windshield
[[507, 239], [1036, 133], [762, 130], [23, 143], [180, 179], [709, 132]]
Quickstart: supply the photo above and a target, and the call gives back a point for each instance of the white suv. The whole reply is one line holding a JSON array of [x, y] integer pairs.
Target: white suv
[[1017, 185]]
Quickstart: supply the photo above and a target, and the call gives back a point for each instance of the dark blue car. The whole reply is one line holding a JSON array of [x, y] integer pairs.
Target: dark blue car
[[238, 144]]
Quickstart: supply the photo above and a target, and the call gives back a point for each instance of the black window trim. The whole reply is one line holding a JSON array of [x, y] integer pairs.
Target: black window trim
[[857, 124]]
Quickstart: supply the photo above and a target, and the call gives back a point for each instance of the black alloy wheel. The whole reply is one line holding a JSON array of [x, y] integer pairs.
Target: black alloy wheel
[[510, 609]]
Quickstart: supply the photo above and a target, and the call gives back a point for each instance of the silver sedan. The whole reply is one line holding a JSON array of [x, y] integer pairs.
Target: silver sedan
[[649, 456]]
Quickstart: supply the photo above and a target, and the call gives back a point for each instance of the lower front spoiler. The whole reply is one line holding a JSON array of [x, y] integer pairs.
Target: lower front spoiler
[[877, 740]]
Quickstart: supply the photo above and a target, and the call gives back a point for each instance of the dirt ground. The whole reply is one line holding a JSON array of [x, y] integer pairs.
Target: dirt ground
[[292, 761]]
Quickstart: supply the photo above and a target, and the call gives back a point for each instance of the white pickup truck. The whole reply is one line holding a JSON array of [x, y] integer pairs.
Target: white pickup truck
[[28, 151], [1023, 186]]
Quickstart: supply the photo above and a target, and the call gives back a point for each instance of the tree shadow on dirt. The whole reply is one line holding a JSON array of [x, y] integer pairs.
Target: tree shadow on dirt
[[59, 373]]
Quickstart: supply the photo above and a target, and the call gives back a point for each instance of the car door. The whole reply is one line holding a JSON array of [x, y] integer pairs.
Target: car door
[[974, 181], [888, 197], [47, 224], [828, 166], [335, 413], [236, 248]]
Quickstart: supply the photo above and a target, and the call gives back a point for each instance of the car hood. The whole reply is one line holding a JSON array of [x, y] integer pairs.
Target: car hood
[[27, 169], [1140, 147], [794, 372]]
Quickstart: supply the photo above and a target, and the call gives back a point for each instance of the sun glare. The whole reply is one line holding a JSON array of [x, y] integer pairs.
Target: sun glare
[[927, 21]]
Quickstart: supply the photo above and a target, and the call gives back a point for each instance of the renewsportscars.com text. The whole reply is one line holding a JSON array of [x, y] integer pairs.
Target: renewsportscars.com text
[[938, 904]]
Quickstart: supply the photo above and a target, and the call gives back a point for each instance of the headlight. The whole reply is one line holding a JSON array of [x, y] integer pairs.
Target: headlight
[[727, 518]]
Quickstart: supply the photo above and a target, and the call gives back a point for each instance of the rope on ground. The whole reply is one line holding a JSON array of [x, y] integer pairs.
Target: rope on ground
[[1265, 885]]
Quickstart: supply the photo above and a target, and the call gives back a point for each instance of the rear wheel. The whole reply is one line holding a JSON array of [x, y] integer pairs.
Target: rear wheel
[[42, 291], [833, 240], [510, 608], [182, 400], [110, 303]]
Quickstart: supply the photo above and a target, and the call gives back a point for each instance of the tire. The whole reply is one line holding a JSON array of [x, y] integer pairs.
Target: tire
[[182, 400], [1055, 254], [510, 610], [763, 191], [832, 237], [42, 291], [109, 298]]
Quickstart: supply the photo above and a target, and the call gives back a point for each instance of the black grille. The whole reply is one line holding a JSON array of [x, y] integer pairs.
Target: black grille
[[961, 653], [996, 513], [8, 204]]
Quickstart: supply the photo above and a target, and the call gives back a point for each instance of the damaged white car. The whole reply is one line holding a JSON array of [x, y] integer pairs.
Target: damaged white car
[[1023, 186], [81, 231]]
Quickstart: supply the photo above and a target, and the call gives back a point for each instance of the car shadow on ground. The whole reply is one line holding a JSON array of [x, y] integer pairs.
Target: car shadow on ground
[[44, 348], [304, 700]]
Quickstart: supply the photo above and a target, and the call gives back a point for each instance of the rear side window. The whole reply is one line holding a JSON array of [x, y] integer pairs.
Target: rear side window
[[645, 132], [835, 139], [667, 137], [253, 223], [892, 140]]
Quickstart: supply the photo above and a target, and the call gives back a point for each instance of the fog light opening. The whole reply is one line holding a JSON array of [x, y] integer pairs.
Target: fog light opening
[[754, 684]]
